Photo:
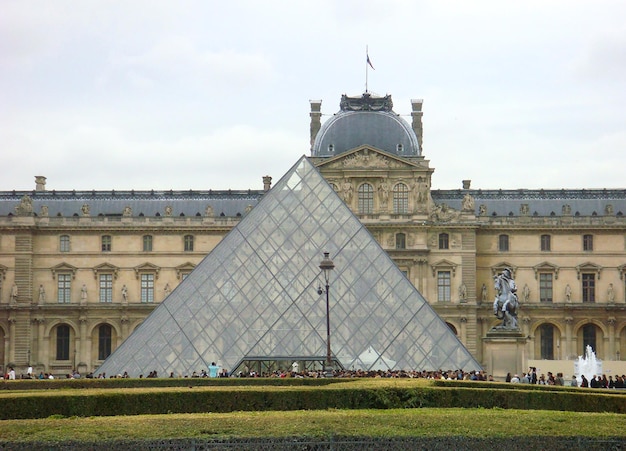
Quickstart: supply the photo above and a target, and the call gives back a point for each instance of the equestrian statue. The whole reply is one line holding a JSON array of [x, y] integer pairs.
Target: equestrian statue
[[506, 304]]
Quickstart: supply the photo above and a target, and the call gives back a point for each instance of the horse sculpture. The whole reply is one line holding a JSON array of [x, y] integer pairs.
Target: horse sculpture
[[506, 303]]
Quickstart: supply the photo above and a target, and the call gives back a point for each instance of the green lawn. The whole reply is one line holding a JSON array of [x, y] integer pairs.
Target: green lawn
[[479, 423]]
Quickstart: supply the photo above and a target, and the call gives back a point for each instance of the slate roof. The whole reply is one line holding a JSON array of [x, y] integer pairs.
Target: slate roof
[[146, 203]]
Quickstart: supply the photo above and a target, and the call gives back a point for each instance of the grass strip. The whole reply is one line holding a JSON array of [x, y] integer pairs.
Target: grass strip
[[433, 422]]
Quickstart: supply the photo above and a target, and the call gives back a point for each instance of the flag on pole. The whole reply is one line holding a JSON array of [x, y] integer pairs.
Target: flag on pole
[[369, 62]]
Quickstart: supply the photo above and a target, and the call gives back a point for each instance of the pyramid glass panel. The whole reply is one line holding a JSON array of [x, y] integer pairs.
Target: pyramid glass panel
[[260, 295]]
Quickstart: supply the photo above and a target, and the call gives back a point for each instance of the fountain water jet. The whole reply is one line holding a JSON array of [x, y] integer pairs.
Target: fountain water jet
[[588, 366]]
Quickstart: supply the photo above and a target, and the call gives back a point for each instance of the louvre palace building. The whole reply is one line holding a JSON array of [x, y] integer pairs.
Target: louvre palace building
[[80, 270]]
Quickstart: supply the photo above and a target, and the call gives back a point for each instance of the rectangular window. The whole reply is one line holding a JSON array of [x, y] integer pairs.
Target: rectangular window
[[444, 241], [106, 243], [443, 286], [147, 243], [545, 287], [147, 288], [106, 287], [365, 199], [546, 242], [587, 242], [188, 243], [503, 243], [64, 243], [589, 287], [400, 241], [64, 285]]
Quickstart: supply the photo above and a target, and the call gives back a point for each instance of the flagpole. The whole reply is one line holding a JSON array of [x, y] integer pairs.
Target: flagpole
[[366, 71]]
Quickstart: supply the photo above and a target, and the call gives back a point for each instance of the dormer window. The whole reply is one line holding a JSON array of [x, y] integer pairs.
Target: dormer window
[[399, 148], [331, 148]]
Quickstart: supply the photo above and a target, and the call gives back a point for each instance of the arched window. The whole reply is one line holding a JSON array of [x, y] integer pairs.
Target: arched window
[[366, 198], [400, 199], [589, 337], [444, 241], [547, 341], [63, 342], [104, 341]]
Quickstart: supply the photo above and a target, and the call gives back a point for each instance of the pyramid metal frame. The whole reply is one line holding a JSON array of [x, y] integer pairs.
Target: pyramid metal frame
[[256, 294]]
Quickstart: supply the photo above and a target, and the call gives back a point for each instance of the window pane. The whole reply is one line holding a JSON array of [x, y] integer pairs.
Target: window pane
[[545, 242], [63, 342], [545, 287], [400, 199], [106, 287], [587, 242], [64, 282], [147, 288], [443, 285], [366, 198]]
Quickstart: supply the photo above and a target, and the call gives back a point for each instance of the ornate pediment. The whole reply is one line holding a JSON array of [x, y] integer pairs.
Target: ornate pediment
[[588, 268], [498, 267], [105, 268], [63, 268], [444, 265], [546, 267], [185, 268], [147, 267], [367, 157]]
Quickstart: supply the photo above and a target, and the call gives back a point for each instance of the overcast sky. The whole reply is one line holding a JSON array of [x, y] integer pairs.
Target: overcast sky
[[193, 94]]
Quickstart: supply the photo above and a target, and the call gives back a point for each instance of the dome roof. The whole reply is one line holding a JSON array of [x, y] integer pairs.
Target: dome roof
[[366, 120]]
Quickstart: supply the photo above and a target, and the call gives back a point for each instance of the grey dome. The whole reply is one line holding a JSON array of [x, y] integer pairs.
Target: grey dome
[[365, 121]]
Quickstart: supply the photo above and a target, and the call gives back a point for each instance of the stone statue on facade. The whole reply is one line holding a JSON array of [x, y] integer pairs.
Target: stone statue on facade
[[526, 293], [506, 304], [610, 294], [468, 203], [42, 294], [483, 293], [383, 194], [208, 212], [25, 208], [482, 210], [85, 209], [124, 294], [568, 293], [168, 210], [14, 293], [128, 211], [462, 293], [83, 294], [346, 191]]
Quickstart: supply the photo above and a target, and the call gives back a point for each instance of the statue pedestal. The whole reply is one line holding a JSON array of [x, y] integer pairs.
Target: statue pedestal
[[505, 352]]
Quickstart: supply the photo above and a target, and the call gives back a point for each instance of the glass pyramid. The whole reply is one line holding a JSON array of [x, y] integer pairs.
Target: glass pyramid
[[255, 296]]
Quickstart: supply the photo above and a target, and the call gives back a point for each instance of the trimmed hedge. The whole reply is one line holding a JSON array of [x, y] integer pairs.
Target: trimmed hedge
[[381, 395]]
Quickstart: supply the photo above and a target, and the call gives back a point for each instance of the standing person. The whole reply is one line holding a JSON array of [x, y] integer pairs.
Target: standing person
[[11, 373], [213, 369]]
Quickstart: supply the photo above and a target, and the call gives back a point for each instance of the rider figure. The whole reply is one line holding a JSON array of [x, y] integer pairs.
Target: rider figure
[[505, 278]]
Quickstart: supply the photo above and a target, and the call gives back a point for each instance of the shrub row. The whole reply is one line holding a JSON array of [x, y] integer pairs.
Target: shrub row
[[350, 396]]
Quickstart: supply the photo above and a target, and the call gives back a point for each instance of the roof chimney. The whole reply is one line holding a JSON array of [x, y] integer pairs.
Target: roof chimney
[[316, 118], [40, 183], [267, 182]]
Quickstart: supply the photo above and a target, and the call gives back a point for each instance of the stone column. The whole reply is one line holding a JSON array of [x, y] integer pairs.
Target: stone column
[[610, 353], [569, 339], [82, 341], [463, 331]]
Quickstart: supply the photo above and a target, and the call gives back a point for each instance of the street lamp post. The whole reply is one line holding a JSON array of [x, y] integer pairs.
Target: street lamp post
[[327, 266]]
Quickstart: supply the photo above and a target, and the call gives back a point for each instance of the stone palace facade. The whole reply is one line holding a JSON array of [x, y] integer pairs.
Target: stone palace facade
[[80, 270]]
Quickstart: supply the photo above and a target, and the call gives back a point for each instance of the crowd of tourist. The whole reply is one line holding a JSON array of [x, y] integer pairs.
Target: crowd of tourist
[[530, 377], [550, 379]]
